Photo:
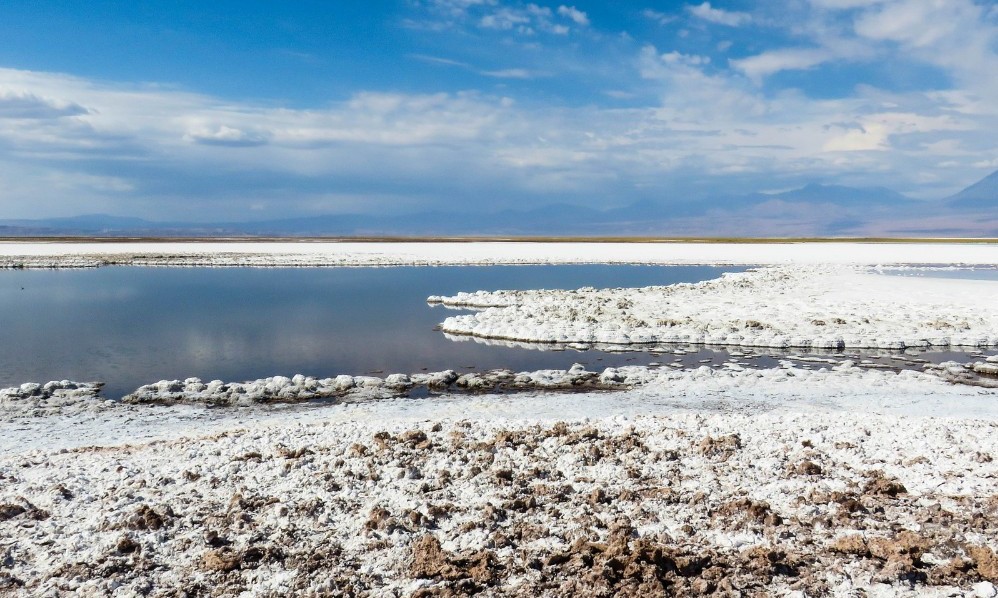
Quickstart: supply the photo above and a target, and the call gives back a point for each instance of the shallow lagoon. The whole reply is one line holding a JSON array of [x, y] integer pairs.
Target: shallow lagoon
[[129, 326]]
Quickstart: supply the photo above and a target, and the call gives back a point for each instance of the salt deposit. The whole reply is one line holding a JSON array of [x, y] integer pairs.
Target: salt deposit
[[695, 479], [280, 389], [683, 504], [14, 254], [814, 307], [36, 400], [814, 479]]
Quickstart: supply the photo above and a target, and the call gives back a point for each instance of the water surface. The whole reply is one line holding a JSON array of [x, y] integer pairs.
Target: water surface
[[129, 326]]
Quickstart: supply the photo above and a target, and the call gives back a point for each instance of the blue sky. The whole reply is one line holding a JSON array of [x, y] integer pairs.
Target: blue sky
[[247, 110]]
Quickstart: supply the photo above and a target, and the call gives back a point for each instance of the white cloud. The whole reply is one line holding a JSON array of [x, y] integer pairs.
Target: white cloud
[[691, 59], [530, 18], [459, 7], [716, 15], [762, 65], [709, 119], [873, 137], [918, 24], [504, 19], [576, 15], [619, 94], [24, 105], [510, 74], [226, 136], [845, 4], [439, 60], [659, 17], [873, 131], [954, 34]]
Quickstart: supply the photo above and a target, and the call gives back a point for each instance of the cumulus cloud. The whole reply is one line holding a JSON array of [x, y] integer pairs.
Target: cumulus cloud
[[956, 36], [459, 7], [691, 122], [525, 19], [659, 17], [506, 19], [762, 65], [679, 58], [576, 15], [720, 16]]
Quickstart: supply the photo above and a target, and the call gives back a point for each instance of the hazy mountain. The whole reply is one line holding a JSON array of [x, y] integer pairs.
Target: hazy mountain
[[815, 193], [812, 210], [981, 195]]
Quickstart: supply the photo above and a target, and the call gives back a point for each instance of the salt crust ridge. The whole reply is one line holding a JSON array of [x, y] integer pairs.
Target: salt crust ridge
[[51, 398], [31, 424], [304, 388], [39, 400], [34, 399], [811, 307]]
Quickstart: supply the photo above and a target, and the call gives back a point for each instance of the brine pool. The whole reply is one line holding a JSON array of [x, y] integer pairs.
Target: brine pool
[[129, 326]]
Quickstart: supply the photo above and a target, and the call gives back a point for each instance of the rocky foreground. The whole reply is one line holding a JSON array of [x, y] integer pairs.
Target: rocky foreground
[[683, 504]]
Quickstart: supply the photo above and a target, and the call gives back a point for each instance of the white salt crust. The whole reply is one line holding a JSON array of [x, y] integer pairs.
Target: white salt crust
[[814, 307], [152, 516], [14, 254]]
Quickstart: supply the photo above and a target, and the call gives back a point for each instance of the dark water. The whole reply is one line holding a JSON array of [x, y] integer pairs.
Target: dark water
[[129, 326]]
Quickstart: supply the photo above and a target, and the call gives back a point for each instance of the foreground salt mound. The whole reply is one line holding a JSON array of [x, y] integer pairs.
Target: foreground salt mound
[[34, 399], [815, 307], [683, 505], [304, 388]]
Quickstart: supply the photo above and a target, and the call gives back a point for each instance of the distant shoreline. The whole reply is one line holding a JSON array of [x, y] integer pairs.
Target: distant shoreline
[[501, 239], [342, 252]]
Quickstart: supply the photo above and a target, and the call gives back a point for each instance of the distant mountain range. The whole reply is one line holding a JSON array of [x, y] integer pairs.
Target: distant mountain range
[[812, 210]]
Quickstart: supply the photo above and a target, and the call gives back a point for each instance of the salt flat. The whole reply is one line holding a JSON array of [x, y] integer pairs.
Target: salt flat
[[687, 503], [264, 253], [838, 480]]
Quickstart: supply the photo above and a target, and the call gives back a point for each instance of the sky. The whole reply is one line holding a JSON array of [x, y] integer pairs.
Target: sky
[[232, 111]]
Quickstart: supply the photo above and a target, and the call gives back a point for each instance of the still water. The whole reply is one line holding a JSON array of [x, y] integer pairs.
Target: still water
[[129, 326]]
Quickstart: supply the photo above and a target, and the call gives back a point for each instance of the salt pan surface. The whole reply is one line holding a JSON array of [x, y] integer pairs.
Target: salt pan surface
[[818, 307], [207, 253]]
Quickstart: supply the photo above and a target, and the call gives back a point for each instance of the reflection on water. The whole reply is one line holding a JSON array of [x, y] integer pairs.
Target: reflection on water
[[129, 326], [693, 355]]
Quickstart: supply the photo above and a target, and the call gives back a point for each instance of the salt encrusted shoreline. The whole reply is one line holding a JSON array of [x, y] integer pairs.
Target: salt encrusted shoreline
[[749, 492], [820, 307], [784, 481], [684, 504], [34, 399], [305, 388], [14, 254], [951, 380]]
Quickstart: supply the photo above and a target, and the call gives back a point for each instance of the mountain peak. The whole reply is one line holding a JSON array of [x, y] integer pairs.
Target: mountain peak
[[838, 194], [982, 194]]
